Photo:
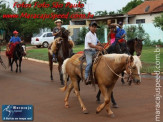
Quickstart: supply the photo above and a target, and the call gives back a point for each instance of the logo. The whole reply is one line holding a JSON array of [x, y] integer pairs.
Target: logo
[[17, 112]]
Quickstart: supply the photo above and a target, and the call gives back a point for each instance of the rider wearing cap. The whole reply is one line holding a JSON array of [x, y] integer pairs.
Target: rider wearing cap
[[91, 46], [15, 38], [12, 43]]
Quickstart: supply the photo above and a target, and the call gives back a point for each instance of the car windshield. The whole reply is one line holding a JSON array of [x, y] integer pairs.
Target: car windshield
[[38, 35]]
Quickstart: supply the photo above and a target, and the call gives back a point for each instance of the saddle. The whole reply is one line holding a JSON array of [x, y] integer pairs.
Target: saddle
[[96, 60]]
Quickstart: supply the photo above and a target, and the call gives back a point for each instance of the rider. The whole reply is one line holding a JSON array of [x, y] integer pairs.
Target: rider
[[56, 33], [13, 42], [91, 46], [120, 35]]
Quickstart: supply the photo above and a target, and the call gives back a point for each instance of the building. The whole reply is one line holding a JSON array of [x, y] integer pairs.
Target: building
[[146, 12], [143, 14]]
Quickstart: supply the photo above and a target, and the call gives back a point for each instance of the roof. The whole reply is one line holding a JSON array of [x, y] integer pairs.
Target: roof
[[148, 7]]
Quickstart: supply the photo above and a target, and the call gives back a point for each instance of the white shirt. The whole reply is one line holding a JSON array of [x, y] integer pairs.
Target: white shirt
[[90, 38]]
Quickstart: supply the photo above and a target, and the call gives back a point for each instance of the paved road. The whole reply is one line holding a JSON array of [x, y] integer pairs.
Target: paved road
[[33, 86]]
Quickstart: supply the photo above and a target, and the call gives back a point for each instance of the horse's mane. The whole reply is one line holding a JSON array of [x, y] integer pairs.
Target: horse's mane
[[137, 62], [118, 57]]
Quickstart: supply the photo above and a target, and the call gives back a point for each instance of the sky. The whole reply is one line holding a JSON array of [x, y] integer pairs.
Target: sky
[[98, 5], [101, 5]]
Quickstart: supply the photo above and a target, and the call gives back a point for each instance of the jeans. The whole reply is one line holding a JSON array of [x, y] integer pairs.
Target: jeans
[[89, 54]]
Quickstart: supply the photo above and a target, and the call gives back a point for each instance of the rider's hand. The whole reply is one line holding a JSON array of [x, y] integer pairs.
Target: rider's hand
[[99, 48]]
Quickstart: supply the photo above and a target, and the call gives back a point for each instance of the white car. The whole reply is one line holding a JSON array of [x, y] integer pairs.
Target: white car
[[43, 39]]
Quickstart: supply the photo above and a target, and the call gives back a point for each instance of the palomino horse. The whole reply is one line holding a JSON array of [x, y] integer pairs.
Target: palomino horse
[[64, 50], [18, 53], [110, 64], [134, 45]]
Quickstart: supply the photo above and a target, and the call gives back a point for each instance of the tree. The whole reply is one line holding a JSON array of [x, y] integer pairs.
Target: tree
[[131, 5], [8, 25], [158, 22], [101, 13], [27, 27]]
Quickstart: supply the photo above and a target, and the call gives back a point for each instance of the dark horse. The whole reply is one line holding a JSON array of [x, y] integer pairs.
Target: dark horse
[[64, 51], [18, 53], [133, 45]]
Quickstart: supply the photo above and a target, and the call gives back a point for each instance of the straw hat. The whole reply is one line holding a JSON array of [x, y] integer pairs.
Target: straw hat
[[58, 20]]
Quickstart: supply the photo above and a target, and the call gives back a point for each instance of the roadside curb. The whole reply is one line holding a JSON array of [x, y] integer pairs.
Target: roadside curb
[[39, 61]]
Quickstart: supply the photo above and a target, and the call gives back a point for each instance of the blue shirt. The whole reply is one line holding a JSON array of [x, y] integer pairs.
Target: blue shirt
[[120, 32], [15, 39]]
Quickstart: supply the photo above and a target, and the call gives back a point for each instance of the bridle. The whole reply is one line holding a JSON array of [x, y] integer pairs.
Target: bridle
[[129, 75]]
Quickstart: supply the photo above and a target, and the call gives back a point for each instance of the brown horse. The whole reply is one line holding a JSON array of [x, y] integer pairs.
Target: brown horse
[[106, 75], [135, 45], [64, 50]]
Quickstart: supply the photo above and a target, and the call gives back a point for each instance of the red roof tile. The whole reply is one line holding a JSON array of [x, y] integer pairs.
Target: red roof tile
[[147, 7]]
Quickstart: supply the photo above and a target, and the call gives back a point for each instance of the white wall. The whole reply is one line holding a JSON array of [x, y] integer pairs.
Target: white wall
[[154, 32], [148, 18]]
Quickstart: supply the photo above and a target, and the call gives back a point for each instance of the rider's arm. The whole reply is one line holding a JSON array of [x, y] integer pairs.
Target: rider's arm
[[95, 46], [55, 33], [124, 33], [11, 40]]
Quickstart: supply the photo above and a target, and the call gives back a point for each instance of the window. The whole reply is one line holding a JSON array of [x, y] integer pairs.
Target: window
[[49, 35], [44, 35], [139, 21]]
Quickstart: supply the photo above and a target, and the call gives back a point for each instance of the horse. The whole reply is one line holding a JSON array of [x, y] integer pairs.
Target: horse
[[18, 53], [64, 50], [110, 64], [133, 45]]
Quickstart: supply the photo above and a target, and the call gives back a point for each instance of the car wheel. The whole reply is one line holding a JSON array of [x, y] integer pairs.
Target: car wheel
[[38, 46], [45, 44]]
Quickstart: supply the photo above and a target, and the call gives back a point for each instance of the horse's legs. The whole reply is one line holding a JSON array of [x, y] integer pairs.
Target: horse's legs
[[106, 98], [60, 73], [50, 66], [12, 61], [109, 111], [79, 84], [74, 81], [68, 94], [16, 66], [113, 101], [122, 80], [98, 95], [20, 60]]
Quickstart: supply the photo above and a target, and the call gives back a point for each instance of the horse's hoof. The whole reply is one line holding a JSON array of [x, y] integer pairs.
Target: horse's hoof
[[67, 106], [111, 115], [123, 83], [98, 101], [85, 111], [62, 84], [115, 106], [97, 112]]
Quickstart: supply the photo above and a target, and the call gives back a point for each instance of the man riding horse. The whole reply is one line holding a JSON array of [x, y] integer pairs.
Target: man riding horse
[[56, 33], [119, 42], [12, 44], [91, 45]]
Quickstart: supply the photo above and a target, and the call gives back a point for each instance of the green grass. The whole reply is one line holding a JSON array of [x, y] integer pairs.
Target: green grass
[[147, 57]]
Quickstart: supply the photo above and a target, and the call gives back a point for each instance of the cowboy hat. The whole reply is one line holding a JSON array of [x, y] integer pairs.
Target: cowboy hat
[[58, 20]]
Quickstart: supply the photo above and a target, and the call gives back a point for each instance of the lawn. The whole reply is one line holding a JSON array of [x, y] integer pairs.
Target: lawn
[[147, 57]]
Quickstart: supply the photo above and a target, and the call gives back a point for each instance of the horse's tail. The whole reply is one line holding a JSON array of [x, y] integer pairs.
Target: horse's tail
[[65, 75]]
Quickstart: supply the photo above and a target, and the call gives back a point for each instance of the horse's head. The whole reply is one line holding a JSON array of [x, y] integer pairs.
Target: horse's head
[[19, 48], [133, 67], [64, 33], [58, 42], [138, 46]]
